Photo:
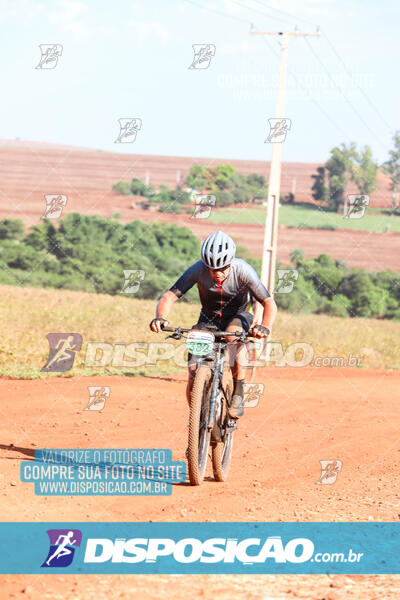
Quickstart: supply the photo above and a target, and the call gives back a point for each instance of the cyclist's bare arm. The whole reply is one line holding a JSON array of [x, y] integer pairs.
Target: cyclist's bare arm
[[269, 308], [163, 308]]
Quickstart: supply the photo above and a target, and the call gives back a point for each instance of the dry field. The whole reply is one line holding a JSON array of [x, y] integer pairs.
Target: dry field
[[28, 172], [28, 314]]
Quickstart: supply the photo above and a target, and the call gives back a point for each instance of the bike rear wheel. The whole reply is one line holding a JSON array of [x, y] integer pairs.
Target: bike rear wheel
[[199, 435], [222, 451]]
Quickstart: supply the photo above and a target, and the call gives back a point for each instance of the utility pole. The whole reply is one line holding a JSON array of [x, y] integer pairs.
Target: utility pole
[[271, 223]]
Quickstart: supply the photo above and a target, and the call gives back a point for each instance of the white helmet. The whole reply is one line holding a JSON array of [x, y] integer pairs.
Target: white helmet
[[218, 250]]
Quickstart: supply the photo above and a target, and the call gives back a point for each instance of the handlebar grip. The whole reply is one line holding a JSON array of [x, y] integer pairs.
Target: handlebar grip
[[167, 328]]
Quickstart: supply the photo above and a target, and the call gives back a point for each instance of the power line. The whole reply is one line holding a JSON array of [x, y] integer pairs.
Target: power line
[[349, 73], [343, 94], [327, 115], [359, 87], [218, 12], [258, 11], [284, 13], [224, 14]]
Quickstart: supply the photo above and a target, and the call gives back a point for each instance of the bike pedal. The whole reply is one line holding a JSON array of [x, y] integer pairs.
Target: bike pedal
[[231, 425]]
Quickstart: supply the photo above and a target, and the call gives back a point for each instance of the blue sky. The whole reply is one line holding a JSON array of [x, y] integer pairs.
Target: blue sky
[[130, 59]]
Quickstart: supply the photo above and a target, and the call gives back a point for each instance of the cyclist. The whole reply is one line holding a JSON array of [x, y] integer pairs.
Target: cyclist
[[226, 284]]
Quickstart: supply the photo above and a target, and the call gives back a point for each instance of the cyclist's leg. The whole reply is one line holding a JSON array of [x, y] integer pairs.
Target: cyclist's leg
[[237, 352], [237, 361]]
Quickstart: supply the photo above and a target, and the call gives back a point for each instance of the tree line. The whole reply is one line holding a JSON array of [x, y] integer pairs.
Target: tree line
[[329, 186], [223, 181], [90, 253]]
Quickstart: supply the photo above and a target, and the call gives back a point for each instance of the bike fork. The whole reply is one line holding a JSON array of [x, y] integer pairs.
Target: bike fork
[[216, 385]]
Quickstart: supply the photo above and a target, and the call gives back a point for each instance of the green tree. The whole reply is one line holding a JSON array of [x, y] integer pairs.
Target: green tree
[[164, 194], [337, 307], [240, 195], [223, 198], [392, 168], [255, 186], [179, 196], [339, 166], [258, 181], [122, 187], [297, 257], [198, 177], [139, 188], [12, 229], [367, 300], [320, 191], [223, 176], [364, 171], [303, 299], [324, 275]]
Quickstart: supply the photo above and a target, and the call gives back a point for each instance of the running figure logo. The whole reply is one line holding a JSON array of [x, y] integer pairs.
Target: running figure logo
[[278, 129], [252, 394], [133, 277], [286, 280], [330, 470], [97, 397], [128, 129], [203, 205], [50, 53], [203, 54], [355, 206], [54, 206], [63, 543], [62, 351]]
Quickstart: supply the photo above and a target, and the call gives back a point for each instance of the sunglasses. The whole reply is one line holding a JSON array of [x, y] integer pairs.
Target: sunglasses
[[220, 270]]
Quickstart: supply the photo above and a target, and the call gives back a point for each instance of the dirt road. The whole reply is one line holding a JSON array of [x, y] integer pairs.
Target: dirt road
[[306, 415]]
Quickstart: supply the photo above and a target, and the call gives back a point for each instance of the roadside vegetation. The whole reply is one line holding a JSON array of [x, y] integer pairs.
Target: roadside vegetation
[[89, 253], [28, 314]]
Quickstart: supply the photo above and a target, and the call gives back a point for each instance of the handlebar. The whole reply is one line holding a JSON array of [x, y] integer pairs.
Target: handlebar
[[218, 334]]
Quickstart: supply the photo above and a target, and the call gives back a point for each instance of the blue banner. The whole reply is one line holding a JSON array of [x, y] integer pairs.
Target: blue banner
[[219, 548], [103, 472]]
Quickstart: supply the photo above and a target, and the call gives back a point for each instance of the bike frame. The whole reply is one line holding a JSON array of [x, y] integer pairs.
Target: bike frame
[[217, 369], [216, 364]]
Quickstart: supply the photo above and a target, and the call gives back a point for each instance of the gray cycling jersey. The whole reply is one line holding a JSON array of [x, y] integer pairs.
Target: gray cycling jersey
[[220, 301]]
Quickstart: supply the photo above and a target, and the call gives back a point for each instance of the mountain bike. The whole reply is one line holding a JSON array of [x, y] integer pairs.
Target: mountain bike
[[209, 421]]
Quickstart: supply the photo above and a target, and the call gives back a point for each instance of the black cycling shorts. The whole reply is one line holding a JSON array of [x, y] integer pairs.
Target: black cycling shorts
[[241, 320]]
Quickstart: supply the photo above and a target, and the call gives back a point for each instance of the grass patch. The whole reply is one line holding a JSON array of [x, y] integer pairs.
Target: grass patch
[[309, 216], [28, 314]]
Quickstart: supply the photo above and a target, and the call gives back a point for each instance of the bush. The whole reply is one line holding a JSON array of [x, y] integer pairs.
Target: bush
[[302, 299], [139, 188], [240, 196], [223, 199], [90, 254], [367, 300], [11, 229], [122, 187], [337, 307], [170, 208], [224, 178], [179, 196]]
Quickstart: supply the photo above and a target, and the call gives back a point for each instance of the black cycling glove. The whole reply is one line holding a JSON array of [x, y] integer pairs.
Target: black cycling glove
[[157, 319], [262, 329]]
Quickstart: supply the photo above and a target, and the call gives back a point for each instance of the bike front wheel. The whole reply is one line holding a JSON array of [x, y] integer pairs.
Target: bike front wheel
[[199, 434], [222, 451]]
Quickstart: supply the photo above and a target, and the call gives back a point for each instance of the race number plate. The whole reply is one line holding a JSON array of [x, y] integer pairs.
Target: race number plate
[[200, 343]]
